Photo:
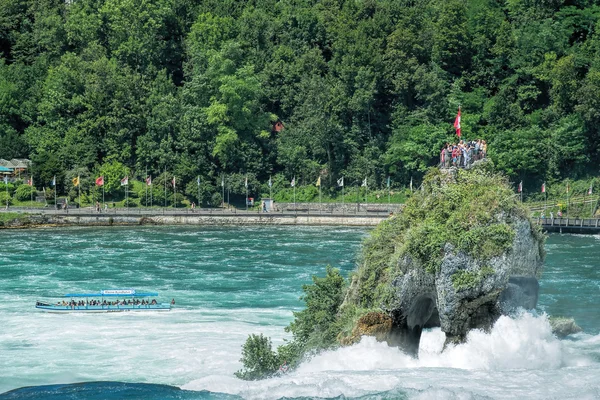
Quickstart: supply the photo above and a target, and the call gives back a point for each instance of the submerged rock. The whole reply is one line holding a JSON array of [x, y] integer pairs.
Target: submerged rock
[[563, 327], [462, 253]]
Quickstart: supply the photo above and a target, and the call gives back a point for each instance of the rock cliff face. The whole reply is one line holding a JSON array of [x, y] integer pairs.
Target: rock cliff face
[[464, 253]]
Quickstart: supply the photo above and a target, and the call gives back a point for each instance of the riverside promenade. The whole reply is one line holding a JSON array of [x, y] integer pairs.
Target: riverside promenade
[[360, 216]]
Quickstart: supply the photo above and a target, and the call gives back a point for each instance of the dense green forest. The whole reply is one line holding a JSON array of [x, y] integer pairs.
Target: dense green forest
[[362, 87]]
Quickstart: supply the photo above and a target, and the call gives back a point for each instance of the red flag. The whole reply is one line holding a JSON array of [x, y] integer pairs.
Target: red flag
[[457, 123], [100, 181], [520, 186], [544, 187], [149, 180], [125, 181]]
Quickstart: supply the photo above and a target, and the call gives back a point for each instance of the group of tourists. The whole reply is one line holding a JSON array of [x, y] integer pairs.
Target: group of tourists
[[124, 302], [462, 154]]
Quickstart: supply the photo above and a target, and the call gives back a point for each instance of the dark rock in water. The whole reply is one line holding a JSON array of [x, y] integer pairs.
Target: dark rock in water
[[460, 271], [563, 327]]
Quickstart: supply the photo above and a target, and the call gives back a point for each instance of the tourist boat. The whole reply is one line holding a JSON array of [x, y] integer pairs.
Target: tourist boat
[[109, 300]]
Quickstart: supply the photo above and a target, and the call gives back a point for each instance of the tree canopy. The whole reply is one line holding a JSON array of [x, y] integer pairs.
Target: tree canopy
[[363, 88]]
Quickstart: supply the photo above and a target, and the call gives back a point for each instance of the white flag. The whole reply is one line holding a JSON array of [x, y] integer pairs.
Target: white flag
[[411, 183], [340, 182], [222, 181], [293, 182], [270, 182], [364, 183], [6, 180], [54, 181], [246, 182], [125, 181]]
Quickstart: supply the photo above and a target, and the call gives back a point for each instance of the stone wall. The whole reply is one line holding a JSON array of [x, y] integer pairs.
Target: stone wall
[[209, 220], [347, 208]]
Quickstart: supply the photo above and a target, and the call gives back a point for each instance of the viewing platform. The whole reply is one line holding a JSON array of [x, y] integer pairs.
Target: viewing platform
[[569, 225]]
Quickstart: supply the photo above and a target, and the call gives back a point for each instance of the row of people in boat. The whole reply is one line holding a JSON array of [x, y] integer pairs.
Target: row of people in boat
[[124, 302]]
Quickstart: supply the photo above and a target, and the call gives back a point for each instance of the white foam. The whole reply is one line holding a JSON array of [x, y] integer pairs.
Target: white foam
[[518, 358]]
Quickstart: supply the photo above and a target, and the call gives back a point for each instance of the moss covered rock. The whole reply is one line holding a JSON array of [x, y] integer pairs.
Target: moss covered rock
[[462, 252]]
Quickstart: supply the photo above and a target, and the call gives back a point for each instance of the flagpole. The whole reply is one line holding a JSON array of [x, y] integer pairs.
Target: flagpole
[[223, 191], [103, 192], [343, 209], [567, 199], [294, 193], [591, 202], [389, 200], [198, 181], [320, 201], [150, 191], [271, 189], [127, 194], [246, 184], [146, 177], [165, 186], [545, 200], [79, 188], [55, 205], [174, 191]]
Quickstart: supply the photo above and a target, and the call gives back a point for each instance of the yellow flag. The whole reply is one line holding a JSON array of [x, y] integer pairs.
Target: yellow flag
[[76, 181], [319, 181]]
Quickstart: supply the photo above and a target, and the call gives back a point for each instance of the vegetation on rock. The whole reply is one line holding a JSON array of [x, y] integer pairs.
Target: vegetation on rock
[[471, 211]]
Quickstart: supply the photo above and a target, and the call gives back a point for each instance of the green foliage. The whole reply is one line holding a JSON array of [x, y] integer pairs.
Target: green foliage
[[5, 199], [25, 192], [462, 280], [258, 359], [315, 328], [362, 88], [472, 213]]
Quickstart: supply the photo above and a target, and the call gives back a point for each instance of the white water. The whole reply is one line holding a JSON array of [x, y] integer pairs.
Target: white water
[[519, 358]]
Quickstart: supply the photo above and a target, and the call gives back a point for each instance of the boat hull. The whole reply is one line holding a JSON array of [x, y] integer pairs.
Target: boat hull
[[102, 309]]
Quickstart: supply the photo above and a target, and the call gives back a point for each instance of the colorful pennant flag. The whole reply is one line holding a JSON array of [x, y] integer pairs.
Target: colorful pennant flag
[[388, 182], [125, 181], [293, 182], [173, 181], [318, 182], [544, 187], [364, 183], [76, 181], [198, 180], [520, 186], [270, 181], [340, 182], [54, 181], [246, 182], [590, 189], [100, 181], [149, 180]]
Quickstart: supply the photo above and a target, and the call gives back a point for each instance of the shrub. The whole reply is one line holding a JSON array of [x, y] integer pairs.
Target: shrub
[[25, 192], [258, 358], [4, 198]]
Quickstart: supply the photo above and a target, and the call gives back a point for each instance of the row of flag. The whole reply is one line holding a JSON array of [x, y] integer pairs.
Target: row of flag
[[520, 188], [125, 181], [340, 182]]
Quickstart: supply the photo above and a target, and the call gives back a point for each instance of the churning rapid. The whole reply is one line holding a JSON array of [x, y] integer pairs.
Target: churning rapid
[[230, 282]]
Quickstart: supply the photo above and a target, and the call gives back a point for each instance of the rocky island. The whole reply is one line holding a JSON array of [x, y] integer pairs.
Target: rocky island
[[461, 253]]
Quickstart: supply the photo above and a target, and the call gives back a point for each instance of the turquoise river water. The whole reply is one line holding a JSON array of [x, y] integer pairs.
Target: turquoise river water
[[229, 282]]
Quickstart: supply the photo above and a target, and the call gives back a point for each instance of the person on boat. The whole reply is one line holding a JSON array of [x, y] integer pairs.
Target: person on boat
[[153, 302], [173, 302]]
